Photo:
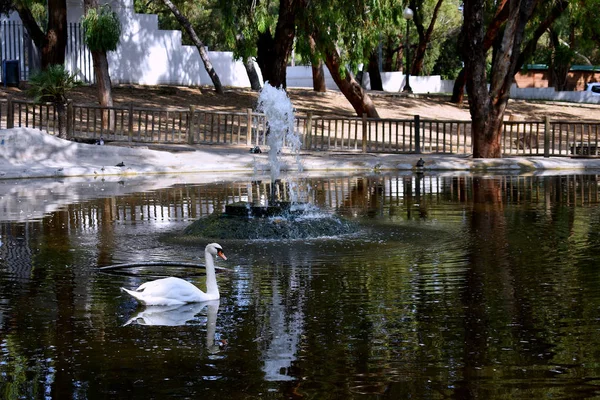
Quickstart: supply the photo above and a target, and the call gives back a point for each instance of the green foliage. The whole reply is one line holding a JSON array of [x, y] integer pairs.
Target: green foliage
[[208, 21], [39, 12], [102, 29], [449, 62], [52, 84]]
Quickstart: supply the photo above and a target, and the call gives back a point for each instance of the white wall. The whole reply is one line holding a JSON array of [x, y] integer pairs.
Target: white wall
[[301, 77], [395, 82], [552, 95]]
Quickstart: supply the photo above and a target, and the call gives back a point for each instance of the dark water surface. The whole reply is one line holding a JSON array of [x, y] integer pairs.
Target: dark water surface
[[455, 287]]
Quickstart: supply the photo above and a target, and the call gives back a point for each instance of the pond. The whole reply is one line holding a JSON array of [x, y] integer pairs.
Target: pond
[[454, 286]]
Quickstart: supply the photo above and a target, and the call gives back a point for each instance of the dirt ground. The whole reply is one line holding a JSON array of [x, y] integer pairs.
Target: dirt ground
[[331, 103]]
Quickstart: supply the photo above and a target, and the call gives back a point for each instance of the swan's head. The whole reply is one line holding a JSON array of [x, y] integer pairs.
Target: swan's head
[[215, 249]]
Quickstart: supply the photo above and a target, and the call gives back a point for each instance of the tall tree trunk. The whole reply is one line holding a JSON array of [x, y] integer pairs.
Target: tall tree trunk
[[185, 23], [61, 112], [103, 82], [374, 73], [265, 54], [424, 38], [252, 74], [458, 94], [275, 51], [487, 107], [55, 41], [358, 98], [318, 77]]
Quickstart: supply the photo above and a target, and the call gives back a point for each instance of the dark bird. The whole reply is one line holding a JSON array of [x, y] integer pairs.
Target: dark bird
[[420, 163], [255, 150], [121, 164]]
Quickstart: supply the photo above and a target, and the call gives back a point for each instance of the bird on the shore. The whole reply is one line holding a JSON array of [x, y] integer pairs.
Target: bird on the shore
[[121, 164], [420, 163], [173, 291]]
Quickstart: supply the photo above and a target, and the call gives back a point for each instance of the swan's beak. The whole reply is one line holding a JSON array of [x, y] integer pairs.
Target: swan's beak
[[220, 254]]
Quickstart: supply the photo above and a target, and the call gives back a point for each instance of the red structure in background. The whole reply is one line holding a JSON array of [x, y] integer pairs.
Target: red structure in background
[[538, 76]]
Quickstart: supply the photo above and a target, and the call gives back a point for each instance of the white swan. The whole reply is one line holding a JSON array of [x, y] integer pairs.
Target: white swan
[[174, 291]]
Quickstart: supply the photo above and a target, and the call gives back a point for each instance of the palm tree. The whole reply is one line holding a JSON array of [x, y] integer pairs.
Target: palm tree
[[54, 84]]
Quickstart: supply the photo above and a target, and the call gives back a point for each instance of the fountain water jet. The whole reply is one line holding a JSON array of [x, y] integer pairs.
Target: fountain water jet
[[279, 112], [277, 218]]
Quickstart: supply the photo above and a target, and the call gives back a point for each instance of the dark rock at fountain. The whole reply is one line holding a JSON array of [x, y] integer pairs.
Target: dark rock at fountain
[[244, 221], [244, 209]]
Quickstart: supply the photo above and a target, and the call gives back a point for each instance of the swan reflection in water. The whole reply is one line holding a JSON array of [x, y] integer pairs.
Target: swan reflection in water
[[178, 315]]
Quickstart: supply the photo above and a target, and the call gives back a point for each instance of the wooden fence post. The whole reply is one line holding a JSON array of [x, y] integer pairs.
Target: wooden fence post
[[249, 127], [417, 134], [130, 122], [364, 132], [190, 125], [308, 131], [10, 113], [546, 136], [70, 119]]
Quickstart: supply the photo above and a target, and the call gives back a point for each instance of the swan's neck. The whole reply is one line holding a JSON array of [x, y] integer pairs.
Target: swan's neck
[[211, 276]]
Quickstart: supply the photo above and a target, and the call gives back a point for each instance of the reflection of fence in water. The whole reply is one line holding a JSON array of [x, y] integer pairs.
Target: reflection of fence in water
[[351, 196], [361, 194]]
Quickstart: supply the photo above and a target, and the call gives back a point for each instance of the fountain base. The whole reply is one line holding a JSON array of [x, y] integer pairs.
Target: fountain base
[[278, 221]]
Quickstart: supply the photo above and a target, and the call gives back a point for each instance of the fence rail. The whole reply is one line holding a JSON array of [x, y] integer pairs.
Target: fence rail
[[318, 133]]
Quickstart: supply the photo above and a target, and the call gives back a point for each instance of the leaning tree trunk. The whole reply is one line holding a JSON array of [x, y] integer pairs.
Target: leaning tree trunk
[[185, 23], [318, 73], [458, 91], [358, 98], [557, 10], [55, 41], [252, 74]]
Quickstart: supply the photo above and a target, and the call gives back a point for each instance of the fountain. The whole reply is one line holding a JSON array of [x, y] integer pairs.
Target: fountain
[[273, 216]]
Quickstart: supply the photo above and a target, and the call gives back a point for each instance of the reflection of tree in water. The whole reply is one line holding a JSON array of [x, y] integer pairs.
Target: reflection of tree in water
[[488, 261]]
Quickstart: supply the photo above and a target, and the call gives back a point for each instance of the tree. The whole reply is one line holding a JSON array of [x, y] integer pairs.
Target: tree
[[345, 34], [102, 33], [55, 40], [542, 23], [360, 100], [52, 38], [275, 27], [487, 106], [275, 49], [185, 23], [424, 34], [53, 84]]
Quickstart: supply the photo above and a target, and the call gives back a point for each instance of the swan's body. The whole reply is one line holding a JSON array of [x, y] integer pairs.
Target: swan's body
[[175, 291]]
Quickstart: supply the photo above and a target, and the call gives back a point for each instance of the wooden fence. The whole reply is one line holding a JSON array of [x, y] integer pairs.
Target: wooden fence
[[318, 133]]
